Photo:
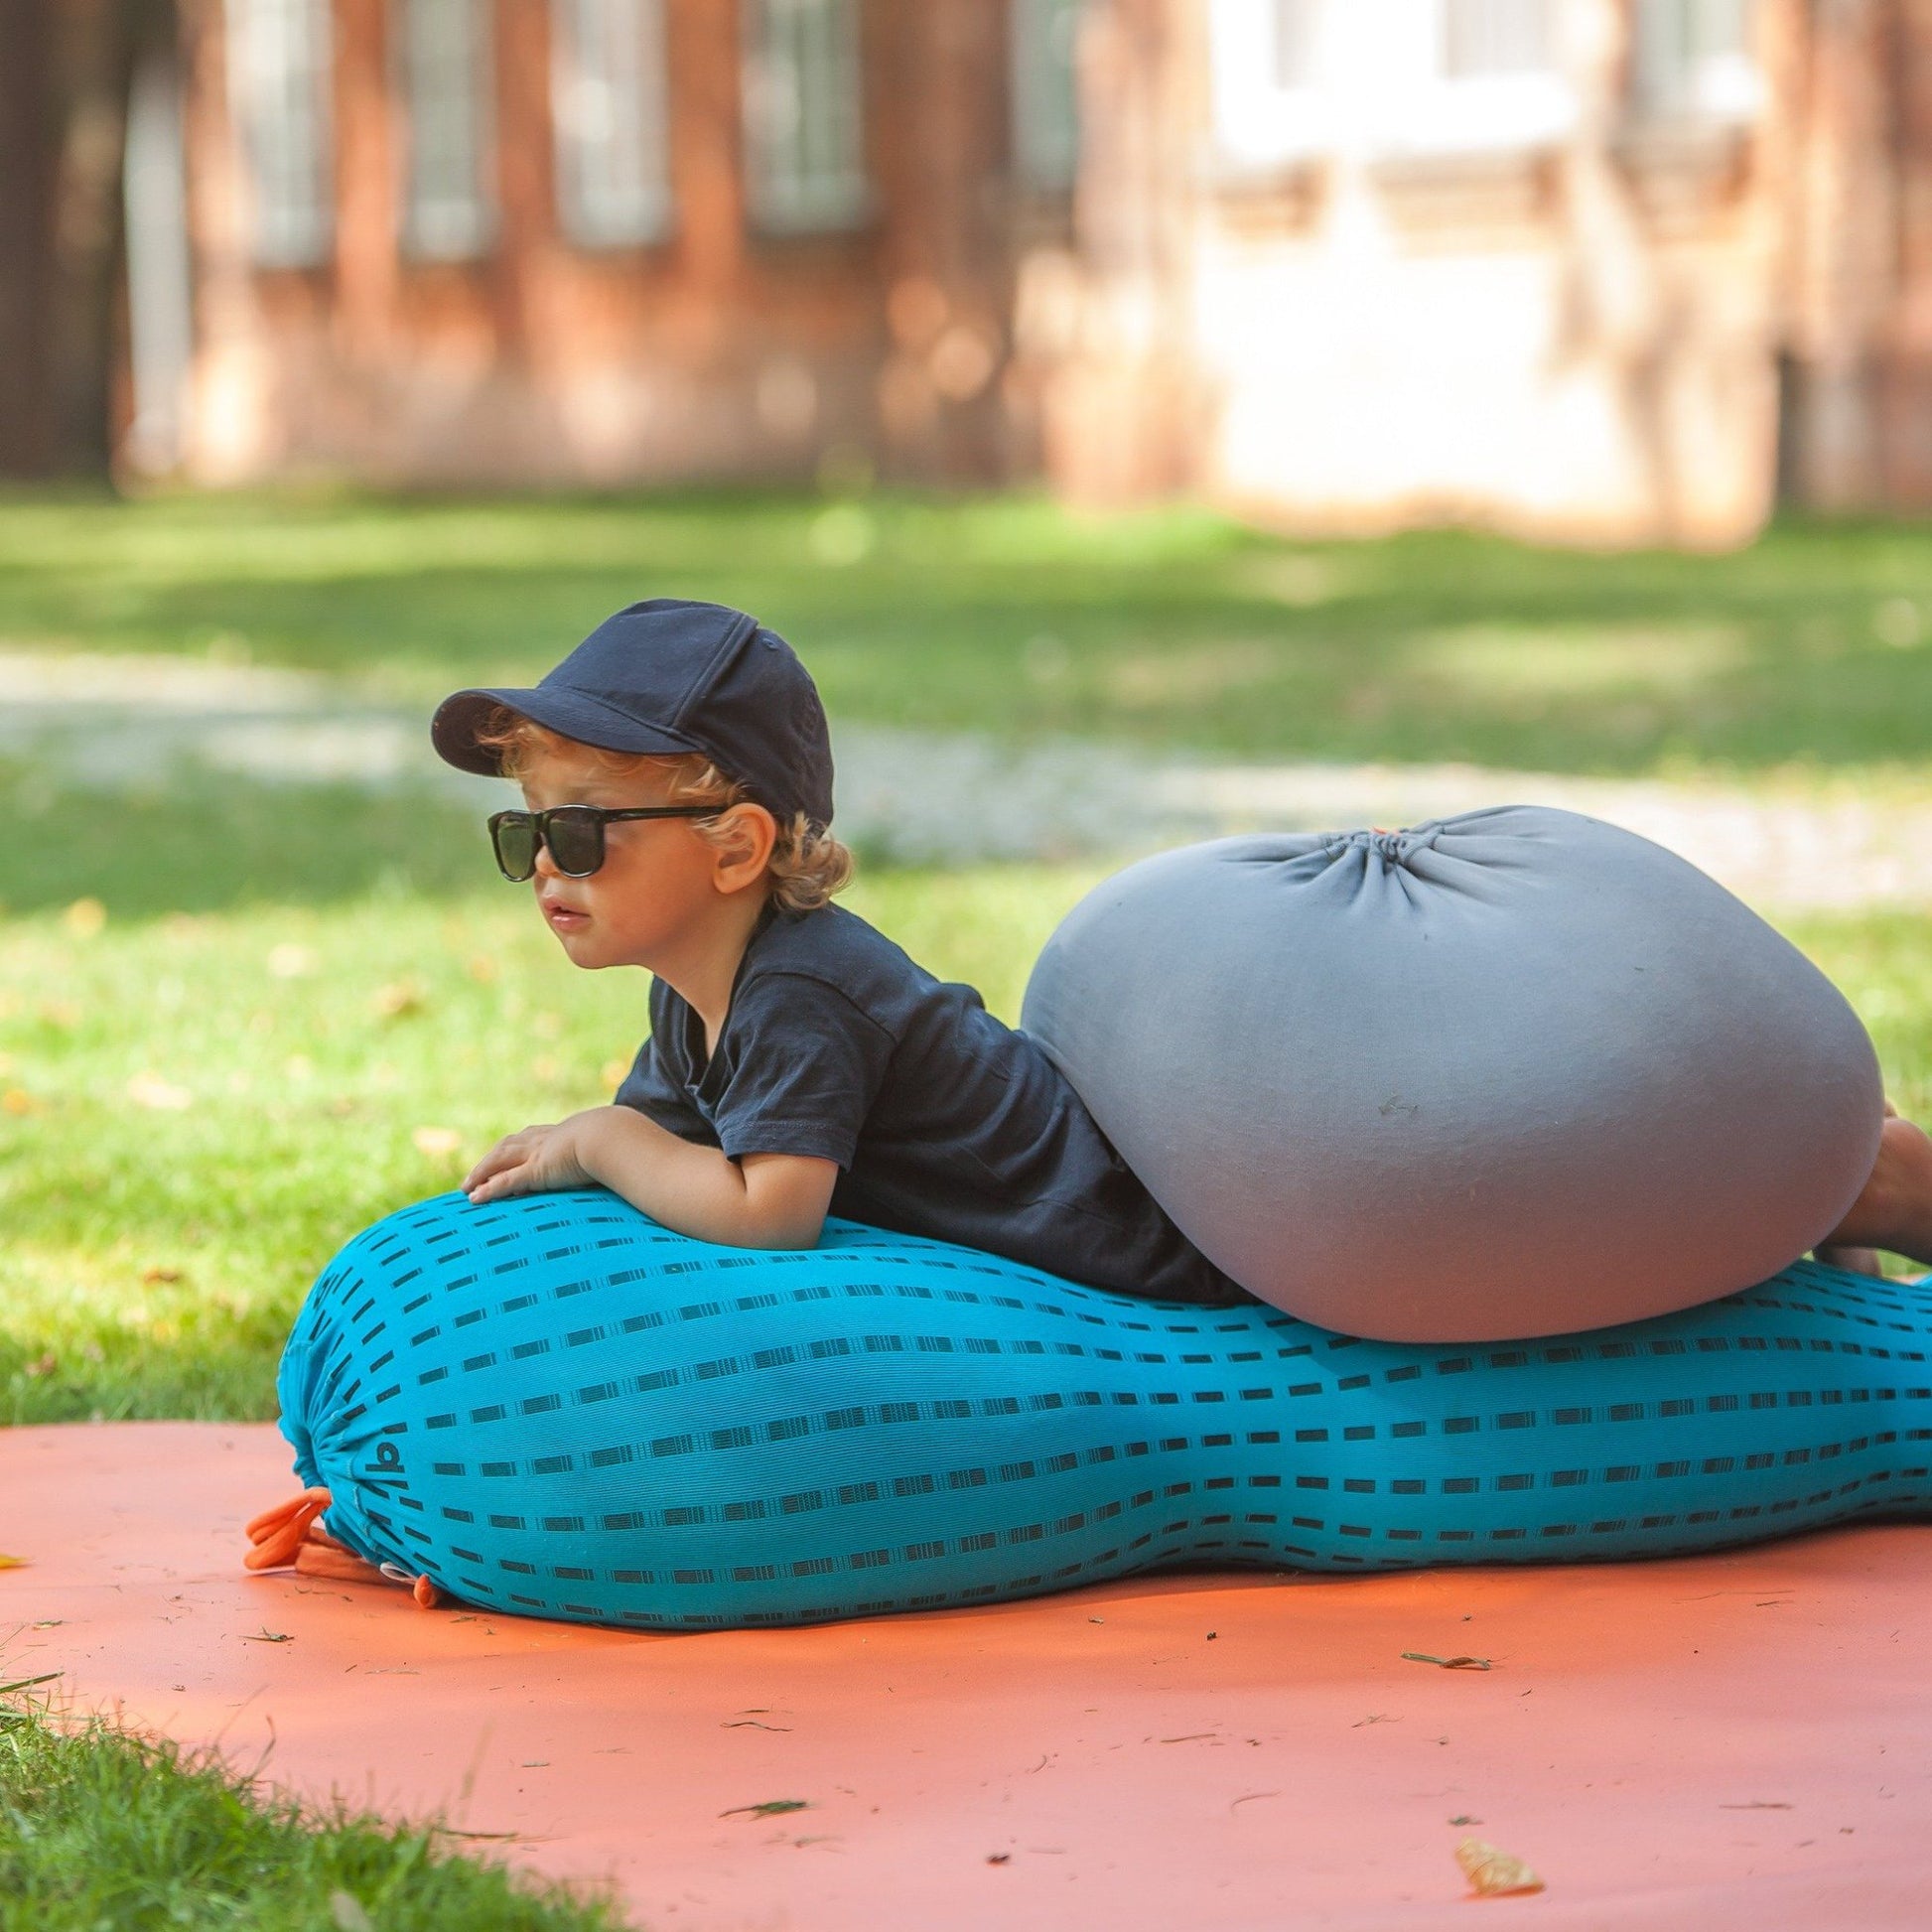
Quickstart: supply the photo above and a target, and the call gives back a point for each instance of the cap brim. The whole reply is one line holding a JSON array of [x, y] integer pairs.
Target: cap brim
[[462, 719]]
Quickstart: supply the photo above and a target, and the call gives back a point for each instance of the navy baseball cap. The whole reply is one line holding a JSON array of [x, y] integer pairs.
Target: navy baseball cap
[[668, 677]]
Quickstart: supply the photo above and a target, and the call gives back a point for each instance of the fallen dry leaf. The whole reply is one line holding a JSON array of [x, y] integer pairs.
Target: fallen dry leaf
[[13, 1563], [1492, 1873], [347, 1914], [269, 1636], [84, 918], [771, 1808], [162, 1096], [153, 1276], [1447, 1663]]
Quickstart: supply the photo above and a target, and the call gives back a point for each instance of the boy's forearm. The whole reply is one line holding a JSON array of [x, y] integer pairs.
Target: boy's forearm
[[692, 1190]]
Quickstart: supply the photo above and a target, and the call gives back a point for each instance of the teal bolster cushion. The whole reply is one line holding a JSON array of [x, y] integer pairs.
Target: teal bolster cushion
[[554, 1407], [1513, 1073]]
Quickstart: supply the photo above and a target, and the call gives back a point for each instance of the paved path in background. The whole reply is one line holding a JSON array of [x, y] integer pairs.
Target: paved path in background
[[922, 797]]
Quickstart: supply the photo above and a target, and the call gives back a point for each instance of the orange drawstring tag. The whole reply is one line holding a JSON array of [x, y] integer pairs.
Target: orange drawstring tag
[[278, 1534], [424, 1593], [323, 1556], [292, 1534]]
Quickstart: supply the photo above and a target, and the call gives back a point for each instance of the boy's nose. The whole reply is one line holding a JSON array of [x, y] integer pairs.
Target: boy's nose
[[547, 865]]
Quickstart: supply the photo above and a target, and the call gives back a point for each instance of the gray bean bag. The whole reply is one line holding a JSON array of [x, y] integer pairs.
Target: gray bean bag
[[1512, 1073]]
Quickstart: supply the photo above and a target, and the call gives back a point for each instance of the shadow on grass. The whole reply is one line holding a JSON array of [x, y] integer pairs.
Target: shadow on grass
[[222, 1369], [1172, 628], [207, 843]]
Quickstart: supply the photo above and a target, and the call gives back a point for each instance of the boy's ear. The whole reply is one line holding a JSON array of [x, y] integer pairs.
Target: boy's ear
[[742, 839]]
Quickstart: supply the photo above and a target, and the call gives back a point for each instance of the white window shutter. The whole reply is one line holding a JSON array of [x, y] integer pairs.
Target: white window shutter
[[610, 108], [804, 119], [279, 77], [448, 80]]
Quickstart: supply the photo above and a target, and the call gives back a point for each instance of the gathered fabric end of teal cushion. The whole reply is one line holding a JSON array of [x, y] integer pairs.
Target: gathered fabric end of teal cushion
[[553, 1407]]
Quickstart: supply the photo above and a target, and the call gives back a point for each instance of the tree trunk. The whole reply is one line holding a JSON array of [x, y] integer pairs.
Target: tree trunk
[[29, 178], [65, 70]]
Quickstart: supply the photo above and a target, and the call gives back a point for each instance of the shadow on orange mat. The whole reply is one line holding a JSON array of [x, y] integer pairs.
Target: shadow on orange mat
[[1732, 1742]]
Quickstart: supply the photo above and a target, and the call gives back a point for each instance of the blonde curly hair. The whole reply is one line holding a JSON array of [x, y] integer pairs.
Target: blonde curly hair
[[808, 865]]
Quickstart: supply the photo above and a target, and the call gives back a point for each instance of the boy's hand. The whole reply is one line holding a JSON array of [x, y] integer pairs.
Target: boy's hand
[[534, 1161]]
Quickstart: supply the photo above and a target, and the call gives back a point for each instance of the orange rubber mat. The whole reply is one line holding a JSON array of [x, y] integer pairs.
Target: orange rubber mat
[[1723, 1741]]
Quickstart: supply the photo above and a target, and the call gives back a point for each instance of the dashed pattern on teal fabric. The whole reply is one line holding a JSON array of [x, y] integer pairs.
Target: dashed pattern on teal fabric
[[554, 1407]]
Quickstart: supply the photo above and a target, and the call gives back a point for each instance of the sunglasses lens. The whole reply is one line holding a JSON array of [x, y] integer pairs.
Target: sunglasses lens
[[576, 841], [515, 835]]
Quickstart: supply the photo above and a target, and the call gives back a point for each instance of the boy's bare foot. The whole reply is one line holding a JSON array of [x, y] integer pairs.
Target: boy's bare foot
[[1853, 1260], [1895, 1209]]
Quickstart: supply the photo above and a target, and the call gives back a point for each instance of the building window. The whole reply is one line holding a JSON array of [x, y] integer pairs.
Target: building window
[[1495, 85], [1275, 73], [1293, 28], [1495, 36], [608, 106], [805, 122], [1695, 58], [447, 79], [278, 82], [1402, 79], [1046, 95]]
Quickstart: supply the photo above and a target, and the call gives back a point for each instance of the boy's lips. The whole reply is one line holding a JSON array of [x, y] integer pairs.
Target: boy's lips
[[564, 918]]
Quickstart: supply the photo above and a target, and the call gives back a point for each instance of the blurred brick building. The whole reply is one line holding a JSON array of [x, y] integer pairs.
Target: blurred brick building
[[556, 240], [1606, 269], [1613, 270]]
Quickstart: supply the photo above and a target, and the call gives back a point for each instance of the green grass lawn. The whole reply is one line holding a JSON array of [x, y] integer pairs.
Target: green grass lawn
[[309, 1004], [100, 1832], [196, 1111], [1171, 627], [239, 1021]]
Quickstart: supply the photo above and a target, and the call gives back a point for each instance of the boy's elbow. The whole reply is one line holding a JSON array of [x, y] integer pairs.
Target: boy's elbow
[[781, 1231], [785, 1200]]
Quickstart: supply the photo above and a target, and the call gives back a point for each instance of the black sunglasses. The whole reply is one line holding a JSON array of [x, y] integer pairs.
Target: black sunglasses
[[573, 834]]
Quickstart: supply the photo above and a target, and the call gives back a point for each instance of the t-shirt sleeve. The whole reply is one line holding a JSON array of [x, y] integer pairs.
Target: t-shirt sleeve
[[650, 1089], [808, 1068], [655, 1090]]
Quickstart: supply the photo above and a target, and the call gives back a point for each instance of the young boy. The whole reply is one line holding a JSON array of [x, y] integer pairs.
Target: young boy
[[679, 775], [679, 778]]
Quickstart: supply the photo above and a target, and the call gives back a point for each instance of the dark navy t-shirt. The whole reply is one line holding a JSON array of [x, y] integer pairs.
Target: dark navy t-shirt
[[943, 1121]]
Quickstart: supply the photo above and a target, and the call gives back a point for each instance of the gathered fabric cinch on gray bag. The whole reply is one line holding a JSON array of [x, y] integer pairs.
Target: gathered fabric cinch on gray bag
[[1512, 1073]]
